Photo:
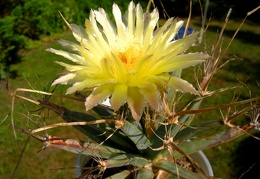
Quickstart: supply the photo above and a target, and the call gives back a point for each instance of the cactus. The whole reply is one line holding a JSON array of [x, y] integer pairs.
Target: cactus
[[147, 128]]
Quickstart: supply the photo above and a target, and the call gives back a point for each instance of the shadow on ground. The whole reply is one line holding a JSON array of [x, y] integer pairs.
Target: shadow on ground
[[247, 160]]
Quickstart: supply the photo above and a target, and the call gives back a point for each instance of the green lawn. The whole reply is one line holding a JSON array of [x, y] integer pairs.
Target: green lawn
[[37, 70]]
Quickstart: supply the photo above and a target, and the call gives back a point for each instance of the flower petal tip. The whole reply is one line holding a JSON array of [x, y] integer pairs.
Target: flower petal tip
[[90, 103]]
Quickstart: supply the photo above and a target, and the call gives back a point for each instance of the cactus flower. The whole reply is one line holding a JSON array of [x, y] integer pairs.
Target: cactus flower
[[129, 61]]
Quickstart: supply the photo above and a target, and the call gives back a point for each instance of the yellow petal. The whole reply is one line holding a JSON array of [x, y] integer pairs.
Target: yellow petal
[[179, 62], [151, 22], [181, 85], [73, 57], [151, 95], [69, 45], [79, 32], [135, 101], [130, 18], [71, 68], [63, 79], [179, 46], [119, 96], [98, 95], [119, 23], [89, 83], [139, 22], [108, 27]]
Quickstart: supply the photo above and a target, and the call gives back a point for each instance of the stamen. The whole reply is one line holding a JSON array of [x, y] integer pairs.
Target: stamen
[[130, 55]]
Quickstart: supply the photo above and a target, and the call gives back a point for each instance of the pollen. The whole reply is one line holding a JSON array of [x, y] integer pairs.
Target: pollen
[[130, 55]]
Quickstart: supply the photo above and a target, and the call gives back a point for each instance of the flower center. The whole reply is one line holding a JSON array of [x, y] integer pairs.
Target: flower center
[[130, 55]]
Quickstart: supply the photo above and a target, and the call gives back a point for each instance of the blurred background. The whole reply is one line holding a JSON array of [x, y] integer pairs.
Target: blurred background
[[28, 27]]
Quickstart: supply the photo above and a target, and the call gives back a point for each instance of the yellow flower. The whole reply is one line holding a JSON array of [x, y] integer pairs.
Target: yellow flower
[[129, 61]]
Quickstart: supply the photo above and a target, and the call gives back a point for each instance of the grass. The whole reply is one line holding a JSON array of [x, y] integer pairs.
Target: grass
[[37, 70]]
